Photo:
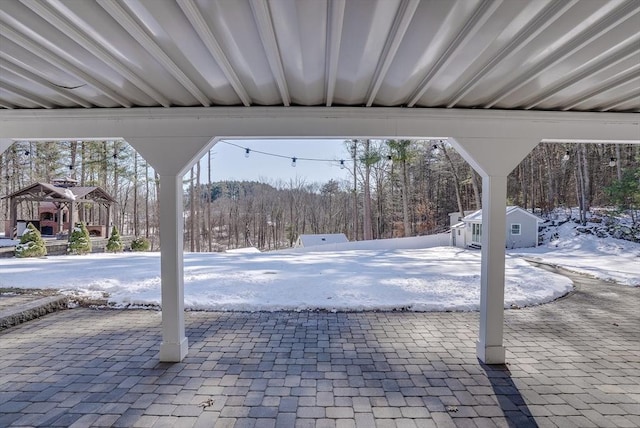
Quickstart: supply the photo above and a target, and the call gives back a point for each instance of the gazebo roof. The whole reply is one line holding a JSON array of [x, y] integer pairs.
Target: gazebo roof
[[49, 192]]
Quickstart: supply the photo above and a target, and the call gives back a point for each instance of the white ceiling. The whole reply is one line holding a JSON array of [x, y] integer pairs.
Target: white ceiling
[[575, 55]]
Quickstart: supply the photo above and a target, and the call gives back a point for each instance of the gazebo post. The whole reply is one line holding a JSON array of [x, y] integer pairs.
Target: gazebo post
[[71, 223], [13, 217], [108, 221]]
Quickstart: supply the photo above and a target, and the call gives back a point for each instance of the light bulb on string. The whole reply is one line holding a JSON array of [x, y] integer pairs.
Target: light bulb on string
[[341, 164], [565, 157], [293, 161], [613, 162], [246, 152]]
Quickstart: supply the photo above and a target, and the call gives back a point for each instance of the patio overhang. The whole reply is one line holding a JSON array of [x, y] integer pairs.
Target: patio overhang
[[495, 78]]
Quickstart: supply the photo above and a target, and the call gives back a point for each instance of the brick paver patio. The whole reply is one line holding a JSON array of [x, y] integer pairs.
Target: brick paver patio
[[575, 362]]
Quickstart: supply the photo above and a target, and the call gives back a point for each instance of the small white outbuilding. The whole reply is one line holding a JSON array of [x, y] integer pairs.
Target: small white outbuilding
[[320, 239], [522, 229]]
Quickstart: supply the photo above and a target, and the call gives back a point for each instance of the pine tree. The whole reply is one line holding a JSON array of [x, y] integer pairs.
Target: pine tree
[[115, 242], [140, 243], [79, 242], [31, 244]]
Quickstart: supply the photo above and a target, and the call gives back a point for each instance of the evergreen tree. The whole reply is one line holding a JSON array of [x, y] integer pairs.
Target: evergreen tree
[[79, 242], [115, 242], [625, 193], [31, 244], [140, 243]]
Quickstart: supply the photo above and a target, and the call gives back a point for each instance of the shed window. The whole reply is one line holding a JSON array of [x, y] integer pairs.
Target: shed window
[[476, 232], [515, 229]]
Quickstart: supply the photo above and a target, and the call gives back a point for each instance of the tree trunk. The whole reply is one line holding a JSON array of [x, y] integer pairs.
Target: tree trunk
[[366, 223], [405, 200], [192, 213], [354, 148]]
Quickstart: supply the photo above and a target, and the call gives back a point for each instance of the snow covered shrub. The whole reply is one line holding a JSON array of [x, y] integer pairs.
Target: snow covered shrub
[[140, 244], [79, 242], [115, 242], [31, 243]]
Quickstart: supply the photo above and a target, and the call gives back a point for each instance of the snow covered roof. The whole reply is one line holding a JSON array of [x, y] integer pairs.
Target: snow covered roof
[[48, 191], [476, 217], [322, 239]]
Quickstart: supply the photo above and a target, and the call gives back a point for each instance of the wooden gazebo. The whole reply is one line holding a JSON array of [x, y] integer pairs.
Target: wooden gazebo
[[57, 203]]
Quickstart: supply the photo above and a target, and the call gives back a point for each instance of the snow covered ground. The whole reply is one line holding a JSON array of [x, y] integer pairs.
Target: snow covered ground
[[393, 278], [432, 279], [605, 258]]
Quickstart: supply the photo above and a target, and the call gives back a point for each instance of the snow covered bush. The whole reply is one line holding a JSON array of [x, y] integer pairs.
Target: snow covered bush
[[115, 242], [140, 244], [79, 242], [31, 243]]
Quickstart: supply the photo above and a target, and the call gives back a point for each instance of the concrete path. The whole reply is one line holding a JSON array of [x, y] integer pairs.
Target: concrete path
[[572, 363]]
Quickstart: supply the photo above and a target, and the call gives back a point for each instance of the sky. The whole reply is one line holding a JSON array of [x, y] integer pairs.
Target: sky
[[383, 277], [229, 162]]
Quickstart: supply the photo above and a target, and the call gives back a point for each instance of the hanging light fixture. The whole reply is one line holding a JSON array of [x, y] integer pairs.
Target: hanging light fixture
[[341, 164], [293, 161], [565, 157], [246, 152], [613, 162]]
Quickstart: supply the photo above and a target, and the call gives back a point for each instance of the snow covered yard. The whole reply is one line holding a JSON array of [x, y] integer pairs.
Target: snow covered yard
[[608, 259], [433, 279]]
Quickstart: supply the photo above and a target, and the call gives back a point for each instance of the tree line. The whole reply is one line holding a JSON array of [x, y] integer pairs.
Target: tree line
[[397, 188]]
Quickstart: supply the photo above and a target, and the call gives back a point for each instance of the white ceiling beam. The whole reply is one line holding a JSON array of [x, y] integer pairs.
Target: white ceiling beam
[[335, 16], [399, 28], [125, 20], [601, 27], [25, 94], [598, 64], [613, 82], [313, 122], [635, 95], [480, 16], [6, 105], [8, 65], [196, 19], [62, 64], [262, 16], [98, 51], [536, 26]]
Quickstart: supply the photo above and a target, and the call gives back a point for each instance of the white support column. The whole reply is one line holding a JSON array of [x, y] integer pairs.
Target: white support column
[[493, 159], [489, 346], [174, 345], [171, 157], [5, 143]]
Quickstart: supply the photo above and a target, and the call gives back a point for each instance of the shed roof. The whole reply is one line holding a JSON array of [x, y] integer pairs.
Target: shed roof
[[322, 239], [476, 217]]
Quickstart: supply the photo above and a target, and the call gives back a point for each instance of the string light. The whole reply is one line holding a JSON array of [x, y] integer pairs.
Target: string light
[[566, 156], [613, 162], [294, 159]]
